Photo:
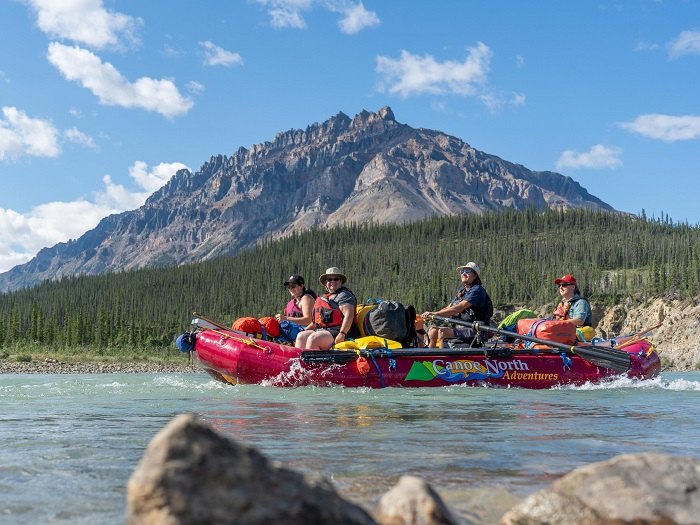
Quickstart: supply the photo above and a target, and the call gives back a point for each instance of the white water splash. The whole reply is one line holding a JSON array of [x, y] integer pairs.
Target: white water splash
[[295, 376], [192, 385], [658, 383]]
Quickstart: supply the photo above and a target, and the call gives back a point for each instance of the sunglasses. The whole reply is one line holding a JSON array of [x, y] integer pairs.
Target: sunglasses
[[466, 270], [564, 285], [334, 279]]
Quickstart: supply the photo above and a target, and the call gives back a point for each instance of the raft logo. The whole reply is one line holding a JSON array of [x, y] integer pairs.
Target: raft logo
[[453, 371]]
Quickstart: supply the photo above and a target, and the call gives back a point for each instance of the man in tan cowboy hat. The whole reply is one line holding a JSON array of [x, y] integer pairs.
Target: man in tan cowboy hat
[[472, 303], [333, 313]]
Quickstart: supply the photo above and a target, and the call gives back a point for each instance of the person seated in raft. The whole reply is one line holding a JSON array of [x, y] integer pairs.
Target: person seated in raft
[[300, 307], [471, 303], [573, 307], [333, 313]]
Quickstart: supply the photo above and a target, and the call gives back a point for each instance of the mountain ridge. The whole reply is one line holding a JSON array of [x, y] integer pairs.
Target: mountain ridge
[[361, 169]]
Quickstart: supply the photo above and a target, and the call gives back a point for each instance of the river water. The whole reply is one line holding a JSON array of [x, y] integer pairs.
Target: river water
[[70, 442]]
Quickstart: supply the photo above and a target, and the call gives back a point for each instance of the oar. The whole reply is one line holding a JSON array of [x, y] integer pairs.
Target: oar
[[602, 356], [637, 336], [346, 356], [222, 327]]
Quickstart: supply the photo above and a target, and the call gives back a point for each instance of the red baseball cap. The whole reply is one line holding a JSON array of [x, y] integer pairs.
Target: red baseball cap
[[567, 279]]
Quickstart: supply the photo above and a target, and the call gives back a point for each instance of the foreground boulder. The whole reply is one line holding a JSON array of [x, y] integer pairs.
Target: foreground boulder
[[413, 502], [635, 489], [192, 475]]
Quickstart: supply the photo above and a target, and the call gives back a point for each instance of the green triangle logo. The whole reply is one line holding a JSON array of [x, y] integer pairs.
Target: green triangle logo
[[421, 371]]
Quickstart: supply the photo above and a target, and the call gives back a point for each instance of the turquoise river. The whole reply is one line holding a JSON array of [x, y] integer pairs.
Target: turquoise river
[[70, 442]]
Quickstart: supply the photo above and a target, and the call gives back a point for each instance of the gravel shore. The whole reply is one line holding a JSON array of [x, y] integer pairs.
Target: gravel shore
[[51, 366]]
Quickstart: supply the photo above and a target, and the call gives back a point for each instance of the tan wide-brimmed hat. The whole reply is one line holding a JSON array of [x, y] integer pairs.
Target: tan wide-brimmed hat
[[333, 270], [472, 266]]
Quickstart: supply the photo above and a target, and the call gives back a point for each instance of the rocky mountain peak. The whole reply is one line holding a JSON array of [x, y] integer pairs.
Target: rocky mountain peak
[[366, 168], [386, 114]]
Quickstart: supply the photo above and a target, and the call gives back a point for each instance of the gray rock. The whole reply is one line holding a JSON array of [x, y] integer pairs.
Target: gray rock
[[635, 489], [192, 475], [53, 366], [413, 502], [677, 338], [479, 505]]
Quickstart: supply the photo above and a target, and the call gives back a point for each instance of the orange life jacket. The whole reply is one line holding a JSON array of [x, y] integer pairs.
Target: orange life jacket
[[326, 313], [562, 311]]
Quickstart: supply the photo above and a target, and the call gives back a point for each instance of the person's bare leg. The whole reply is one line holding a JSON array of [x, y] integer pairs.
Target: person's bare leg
[[302, 338], [432, 337], [321, 340]]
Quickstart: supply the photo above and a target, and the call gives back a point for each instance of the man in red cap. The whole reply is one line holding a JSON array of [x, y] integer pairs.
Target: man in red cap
[[572, 305]]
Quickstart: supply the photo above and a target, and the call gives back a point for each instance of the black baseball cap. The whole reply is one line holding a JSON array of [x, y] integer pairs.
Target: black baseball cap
[[295, 279]]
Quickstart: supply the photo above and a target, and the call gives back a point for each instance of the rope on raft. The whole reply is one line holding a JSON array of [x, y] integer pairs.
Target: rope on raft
[[250, 341]]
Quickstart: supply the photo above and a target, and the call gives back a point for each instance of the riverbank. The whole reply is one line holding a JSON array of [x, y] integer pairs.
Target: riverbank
[[53, 366]]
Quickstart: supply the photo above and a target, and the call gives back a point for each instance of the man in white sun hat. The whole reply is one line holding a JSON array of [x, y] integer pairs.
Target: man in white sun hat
[[471, 303], [333, 313]]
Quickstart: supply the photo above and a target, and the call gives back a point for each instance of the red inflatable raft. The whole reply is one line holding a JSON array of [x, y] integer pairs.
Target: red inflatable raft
[[235, 357]]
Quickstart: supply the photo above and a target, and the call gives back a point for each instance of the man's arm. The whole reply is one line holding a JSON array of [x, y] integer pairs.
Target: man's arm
[[450, 310], [348, 310]]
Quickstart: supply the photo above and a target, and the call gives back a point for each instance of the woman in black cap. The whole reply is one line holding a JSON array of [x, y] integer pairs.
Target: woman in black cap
[[300, 308]]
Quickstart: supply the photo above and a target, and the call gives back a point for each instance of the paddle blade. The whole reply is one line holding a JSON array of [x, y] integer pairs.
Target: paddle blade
[[611, 358]]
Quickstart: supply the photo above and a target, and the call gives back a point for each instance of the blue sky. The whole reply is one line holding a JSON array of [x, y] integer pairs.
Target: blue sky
[[101, 101]]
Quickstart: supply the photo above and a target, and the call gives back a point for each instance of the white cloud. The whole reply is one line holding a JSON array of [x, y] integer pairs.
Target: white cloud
[[645, 46], [22, 135], [356, 18], [86, 22], [290, 13], [78, 137], [598, 157], [415, 75], [111, 88], [194, 87], [217, 56], [496, 102], [75, 112], [686, 43], [668, 128], [117, 198], [287, 13], [518, 99], [155, 179], [170, 51], [23, 235], [11, 258], [282, 17]]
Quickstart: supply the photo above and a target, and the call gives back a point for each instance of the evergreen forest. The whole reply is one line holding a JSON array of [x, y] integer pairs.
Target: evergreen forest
[[613, 256]]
